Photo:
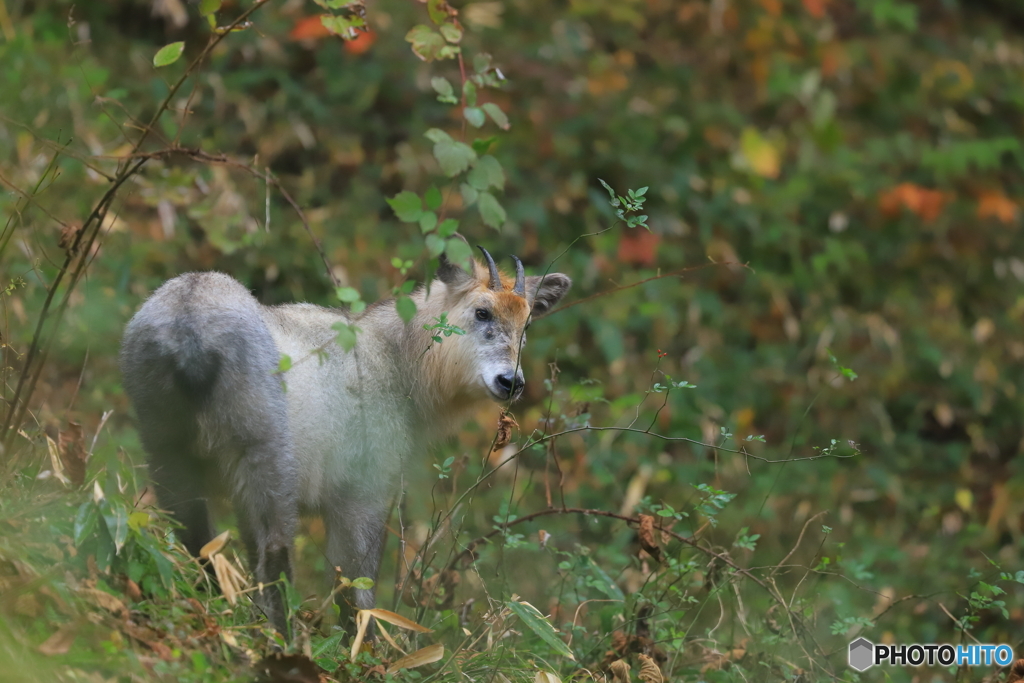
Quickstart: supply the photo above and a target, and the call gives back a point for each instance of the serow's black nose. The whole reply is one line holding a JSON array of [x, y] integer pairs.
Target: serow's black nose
[[510, 383]]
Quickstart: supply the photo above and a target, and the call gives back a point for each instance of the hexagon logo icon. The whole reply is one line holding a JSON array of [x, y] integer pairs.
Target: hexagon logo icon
[[862, 653]]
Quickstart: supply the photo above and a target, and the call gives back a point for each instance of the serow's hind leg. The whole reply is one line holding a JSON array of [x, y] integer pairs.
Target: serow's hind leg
[[181, 490], [265, 501]]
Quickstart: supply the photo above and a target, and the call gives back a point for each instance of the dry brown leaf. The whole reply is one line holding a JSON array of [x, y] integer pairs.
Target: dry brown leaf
[[647, 540], [505, 424], [396, 619], [55, 464], [106, 601], [387, 636], [546, 677], [68, 235], [620, 670], [1016, 674], [132, 590], [60, 642], [649, 671], [231, 580], [71, 445], [426, 655], [214, 546]]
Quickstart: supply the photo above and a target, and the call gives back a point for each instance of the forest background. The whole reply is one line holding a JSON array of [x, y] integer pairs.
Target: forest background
[[815, 333]]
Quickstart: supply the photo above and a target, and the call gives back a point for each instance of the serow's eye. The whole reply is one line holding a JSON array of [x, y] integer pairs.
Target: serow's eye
[[483, 315]]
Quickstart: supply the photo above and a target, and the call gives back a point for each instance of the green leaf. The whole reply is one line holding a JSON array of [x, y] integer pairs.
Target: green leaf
[[481, 62], [605, 583], [428, 221], [475, 116], [481, 145], [207, 7], [459, 253], [406, 308], [363, 582], [437, 11], [490, 210], [342, 26], [445, 91], [451, 32], [469, 194], [407, 206], [329, 645], [85, 521], [347, 332], [168, 54], [408, 286], [469, 92], [447, 228], [347, 294], [435, 244], [116, 519], [487, 173], [496, 114], [436, 135], [536, 622], [426, 44], [433, 198], [337, 4], [285, 363], [357, 307], [453, 157]]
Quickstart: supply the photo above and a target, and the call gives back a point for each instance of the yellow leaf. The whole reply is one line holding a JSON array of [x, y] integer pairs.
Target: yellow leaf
[[138, 520], [427, 655], [397, 619], [760, 154], [214, 546], [964, 498], [362, 622]]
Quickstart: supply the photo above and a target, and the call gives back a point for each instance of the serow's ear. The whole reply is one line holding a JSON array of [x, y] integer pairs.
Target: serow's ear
[[546, 294], [452, 274]]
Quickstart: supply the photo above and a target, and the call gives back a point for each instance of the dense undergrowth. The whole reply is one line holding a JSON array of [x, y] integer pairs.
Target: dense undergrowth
[[781, 409]]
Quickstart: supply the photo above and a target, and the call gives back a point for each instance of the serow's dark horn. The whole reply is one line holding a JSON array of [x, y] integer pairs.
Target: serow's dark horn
[[495, 277], [520, 287]]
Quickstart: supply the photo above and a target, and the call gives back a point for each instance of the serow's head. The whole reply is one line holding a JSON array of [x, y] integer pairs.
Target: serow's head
[[495, 311]]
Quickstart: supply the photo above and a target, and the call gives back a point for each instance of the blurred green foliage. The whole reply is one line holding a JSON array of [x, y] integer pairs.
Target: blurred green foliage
[[834, 187]]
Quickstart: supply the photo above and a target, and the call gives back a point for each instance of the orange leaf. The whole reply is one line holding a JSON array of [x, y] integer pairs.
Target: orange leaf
[[833, 57], [309, 28], [363, 41], [816, 8], [925, 203], [638, 247], [772, 7], [995, 204]]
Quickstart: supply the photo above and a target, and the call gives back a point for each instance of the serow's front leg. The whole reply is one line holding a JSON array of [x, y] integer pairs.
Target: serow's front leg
[[356, 530]]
